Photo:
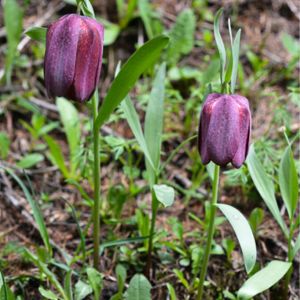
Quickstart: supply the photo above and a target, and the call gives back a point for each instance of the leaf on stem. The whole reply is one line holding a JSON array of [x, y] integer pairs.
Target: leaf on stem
[[138, 63], [263, 279], [264, 186], [243, 232], [220, 44], [165, 194], [288, 181]]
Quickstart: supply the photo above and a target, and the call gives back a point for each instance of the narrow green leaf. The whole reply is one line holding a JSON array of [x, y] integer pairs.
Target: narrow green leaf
[[135, 125], [5, 145], [56, 155], [288, 181], [71, 122], [138, 63], [235, 59], [220, 44], [3, 288], [44, 270], [30, 160], [154, 119], [47, 294], [122, 242], [263, 279], [181, 277], [264, 186], [243, 232], [296, 247], [165, 194], [37, 214], [37, 33], [171, 291], [13, 19], [139, 288], [145, 13], [68, 285]]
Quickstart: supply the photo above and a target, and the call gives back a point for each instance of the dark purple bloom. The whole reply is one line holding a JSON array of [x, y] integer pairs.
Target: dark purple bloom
[[224, 129], [73, 58]]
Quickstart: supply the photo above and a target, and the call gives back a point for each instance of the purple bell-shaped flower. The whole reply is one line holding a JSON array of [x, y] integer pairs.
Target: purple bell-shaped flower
[[73, 59], [224, 129]]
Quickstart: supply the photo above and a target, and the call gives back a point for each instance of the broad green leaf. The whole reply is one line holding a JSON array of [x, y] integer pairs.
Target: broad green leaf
[[56, 156], [288, 181], [235, 59], [82, 290], [243, 232], [263, 279], [138, 63], [95, 280], [296, 247], [135, 125], [154, 120], [37, 33], [30, 160], [71, 122], [264, 186], [49, 275], [139, 288], [182, 35], [47, 294], [37, 214], [165, 194], [220, 44], [13, 19]]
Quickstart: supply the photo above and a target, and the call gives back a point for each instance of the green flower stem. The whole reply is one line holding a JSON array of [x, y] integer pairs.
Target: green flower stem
[[155, 205], [96, 207], [290, 259], [210, 232]]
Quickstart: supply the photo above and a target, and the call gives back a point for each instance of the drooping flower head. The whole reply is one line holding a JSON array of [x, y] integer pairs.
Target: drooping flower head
[[224, 129], [73, 59]]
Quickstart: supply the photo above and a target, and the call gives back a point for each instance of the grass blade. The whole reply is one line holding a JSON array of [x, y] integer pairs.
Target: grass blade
[[135, 125], [37, 214]]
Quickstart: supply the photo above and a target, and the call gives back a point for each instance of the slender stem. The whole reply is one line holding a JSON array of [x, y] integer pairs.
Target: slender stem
[[96, 207], [210, 232], [290, 259], [152, 230]]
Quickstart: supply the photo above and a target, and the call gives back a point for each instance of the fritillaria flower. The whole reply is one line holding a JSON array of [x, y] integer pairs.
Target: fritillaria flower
[[74, 46], [224, 129]]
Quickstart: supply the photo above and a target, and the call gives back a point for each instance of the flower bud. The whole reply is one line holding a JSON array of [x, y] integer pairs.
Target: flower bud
[[73, 58], [224, 129]]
